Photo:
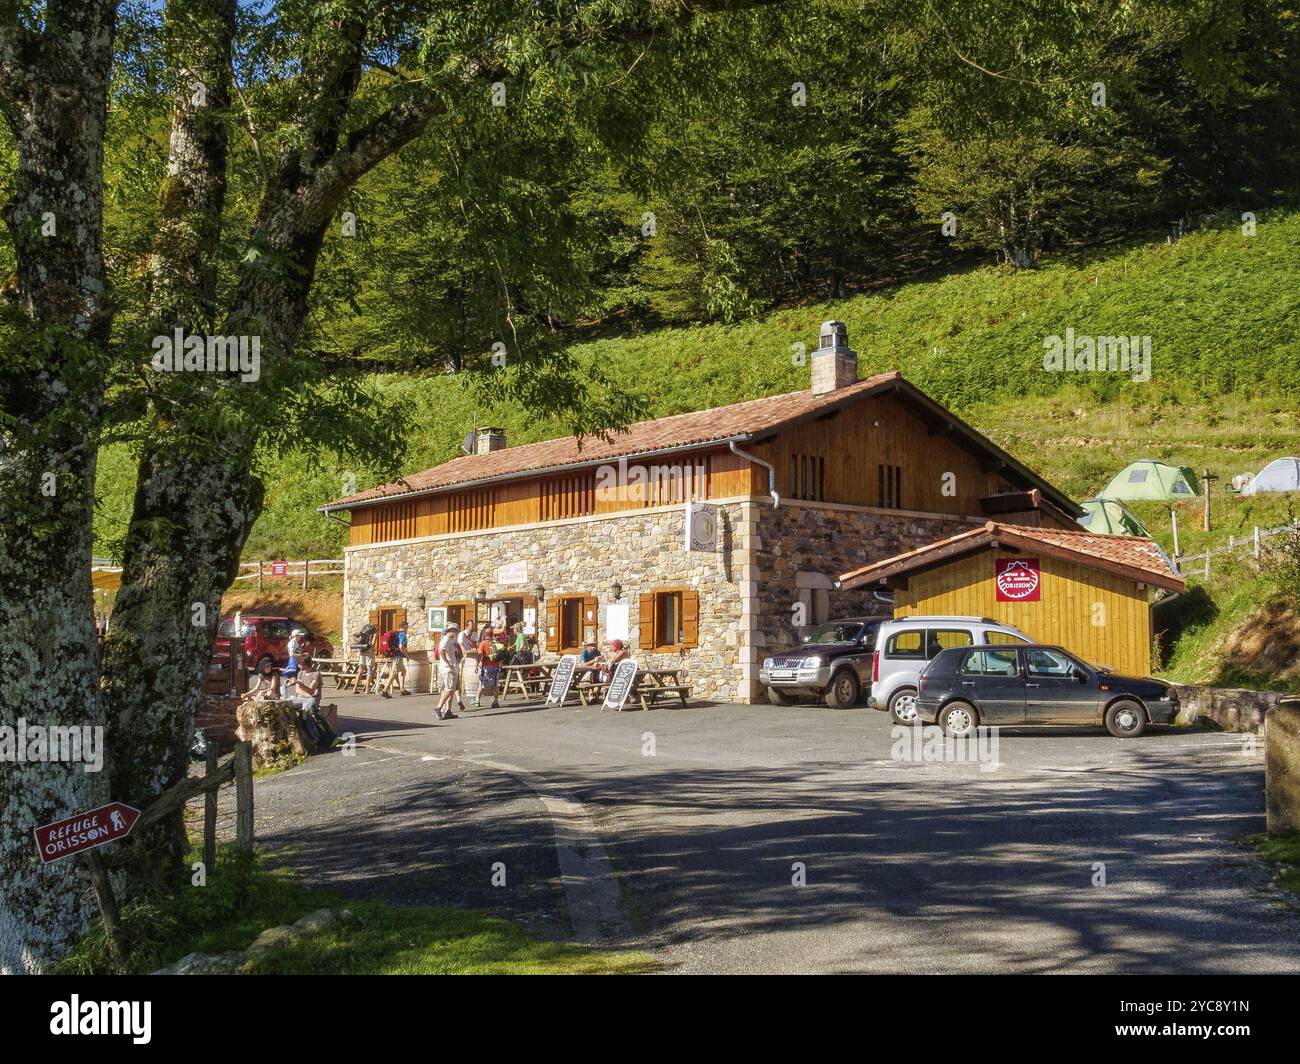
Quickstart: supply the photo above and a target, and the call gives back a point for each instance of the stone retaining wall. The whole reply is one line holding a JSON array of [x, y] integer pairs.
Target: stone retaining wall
[[1231, 709]]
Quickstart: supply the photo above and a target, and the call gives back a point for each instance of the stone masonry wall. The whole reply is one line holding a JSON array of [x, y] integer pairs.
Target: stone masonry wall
[[813, 538], [582, 556]]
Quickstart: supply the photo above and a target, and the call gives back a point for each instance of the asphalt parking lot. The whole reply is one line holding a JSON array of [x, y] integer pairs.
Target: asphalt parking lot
[[730, 838]]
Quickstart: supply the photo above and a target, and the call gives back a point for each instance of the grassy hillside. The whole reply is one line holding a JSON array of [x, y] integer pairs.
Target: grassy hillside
[[1224, 392], [1220, 308]]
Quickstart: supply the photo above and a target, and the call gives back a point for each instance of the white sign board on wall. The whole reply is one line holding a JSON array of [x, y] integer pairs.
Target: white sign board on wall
[[616, 620], [513, 573]]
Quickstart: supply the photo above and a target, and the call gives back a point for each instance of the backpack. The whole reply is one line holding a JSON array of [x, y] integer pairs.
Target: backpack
[[319, 733], [363, 637], [388, 644]]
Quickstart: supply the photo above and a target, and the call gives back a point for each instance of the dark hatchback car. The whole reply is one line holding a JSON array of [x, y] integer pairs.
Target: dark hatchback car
[[1007, 686]]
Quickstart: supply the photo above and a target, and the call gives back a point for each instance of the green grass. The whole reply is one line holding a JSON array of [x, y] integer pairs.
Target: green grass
[[243, 897], [1220, 308], [1224, 394], [1282, 851]]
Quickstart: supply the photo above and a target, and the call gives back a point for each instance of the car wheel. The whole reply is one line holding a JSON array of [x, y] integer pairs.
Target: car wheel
[[843, 691], [902, 706], [1126, 719], [778, 698], [958, 718]]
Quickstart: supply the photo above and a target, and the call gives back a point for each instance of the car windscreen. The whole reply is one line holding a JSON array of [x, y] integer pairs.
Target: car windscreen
[[842, 632], [226, 629]]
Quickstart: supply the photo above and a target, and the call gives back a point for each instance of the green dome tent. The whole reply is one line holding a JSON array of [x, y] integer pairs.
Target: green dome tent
[[1148, 479], [1111, 518]]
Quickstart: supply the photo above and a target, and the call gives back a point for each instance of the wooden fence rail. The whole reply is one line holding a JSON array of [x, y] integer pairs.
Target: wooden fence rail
[[236, 769], [1252, 544], [306, 568]]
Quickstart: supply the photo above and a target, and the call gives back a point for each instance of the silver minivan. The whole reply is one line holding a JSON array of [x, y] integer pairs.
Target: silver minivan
[[906, 644]]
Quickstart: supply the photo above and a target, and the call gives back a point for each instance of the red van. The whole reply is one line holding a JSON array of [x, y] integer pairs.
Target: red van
[[268, 637]]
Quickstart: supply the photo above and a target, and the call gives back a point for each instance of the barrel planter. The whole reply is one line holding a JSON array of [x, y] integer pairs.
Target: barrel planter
[[418, 671], [469, 677]]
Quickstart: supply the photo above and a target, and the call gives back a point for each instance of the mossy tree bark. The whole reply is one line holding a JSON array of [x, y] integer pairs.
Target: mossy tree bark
[[55, 322]]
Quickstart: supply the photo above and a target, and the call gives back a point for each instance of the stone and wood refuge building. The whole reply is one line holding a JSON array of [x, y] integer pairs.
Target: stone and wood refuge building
[[699, 538]]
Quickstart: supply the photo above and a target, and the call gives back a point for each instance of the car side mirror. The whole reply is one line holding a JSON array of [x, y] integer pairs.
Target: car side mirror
[[1079, 675]]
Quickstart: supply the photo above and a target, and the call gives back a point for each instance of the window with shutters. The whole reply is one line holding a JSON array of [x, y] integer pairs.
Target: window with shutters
[[573, 496], [808, 477], [889, 486], [571, 622], [670, 619]]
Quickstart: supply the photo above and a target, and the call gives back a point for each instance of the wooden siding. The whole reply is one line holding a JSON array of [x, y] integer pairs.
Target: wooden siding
[[872, 453], [1102, 618], [877, 453]]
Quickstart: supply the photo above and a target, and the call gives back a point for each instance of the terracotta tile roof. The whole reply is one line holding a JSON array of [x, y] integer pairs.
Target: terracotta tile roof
[[1129, 556], [679, 431]]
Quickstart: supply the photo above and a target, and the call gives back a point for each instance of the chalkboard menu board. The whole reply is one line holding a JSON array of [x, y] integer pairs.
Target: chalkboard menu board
[[621, 685], [562, 680]]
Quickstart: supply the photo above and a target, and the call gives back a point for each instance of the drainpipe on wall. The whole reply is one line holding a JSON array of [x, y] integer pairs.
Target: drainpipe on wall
[[771, 471]]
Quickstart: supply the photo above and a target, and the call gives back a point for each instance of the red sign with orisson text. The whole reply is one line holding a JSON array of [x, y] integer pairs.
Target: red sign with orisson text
[[85, 831], [1018, 580]]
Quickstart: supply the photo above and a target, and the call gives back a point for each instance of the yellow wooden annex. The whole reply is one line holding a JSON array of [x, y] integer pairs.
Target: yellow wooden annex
[[1090, 594]]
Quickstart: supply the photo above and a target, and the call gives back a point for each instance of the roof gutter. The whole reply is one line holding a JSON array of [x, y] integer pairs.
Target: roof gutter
[[537, 472], [771, 470]]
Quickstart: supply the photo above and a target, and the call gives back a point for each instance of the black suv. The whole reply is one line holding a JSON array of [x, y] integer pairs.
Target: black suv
[[1008, 686], [831, 660]]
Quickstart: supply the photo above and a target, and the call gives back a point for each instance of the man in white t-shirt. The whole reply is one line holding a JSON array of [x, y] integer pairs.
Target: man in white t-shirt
[[468, 641], [449, 659]]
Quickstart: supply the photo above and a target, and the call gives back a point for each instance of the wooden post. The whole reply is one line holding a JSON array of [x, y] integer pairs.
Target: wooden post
[[1205, 522], [210, 810], [1173, 516], [306, 566], [107, 908], [244, 796], [259, 576], [1207, 565], [1257, 546]]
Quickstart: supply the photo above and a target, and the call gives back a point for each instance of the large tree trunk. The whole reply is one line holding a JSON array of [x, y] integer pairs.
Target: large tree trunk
[[53, 93], [195, 505], [190, 518]]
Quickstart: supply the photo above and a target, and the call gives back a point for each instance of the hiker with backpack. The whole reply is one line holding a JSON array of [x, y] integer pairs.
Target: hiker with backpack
[[392, 645], [364, 642]]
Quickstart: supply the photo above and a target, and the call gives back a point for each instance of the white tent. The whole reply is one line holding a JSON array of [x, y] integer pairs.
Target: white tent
[[1283, 474]]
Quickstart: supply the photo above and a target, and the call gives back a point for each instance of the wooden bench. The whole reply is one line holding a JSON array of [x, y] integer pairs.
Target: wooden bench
[[652, 694], [592, 691]]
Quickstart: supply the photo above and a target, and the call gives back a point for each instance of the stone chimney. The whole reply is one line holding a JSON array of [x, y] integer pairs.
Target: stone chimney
[[489, 440], [833, 364]]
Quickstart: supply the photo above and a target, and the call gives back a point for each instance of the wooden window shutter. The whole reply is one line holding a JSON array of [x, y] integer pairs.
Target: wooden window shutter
[[552, 633], [646, 636], [690, 619], [374, 618], [399, 616]]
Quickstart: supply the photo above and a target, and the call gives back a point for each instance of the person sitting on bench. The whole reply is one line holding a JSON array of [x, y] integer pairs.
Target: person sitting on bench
[[307, 685]]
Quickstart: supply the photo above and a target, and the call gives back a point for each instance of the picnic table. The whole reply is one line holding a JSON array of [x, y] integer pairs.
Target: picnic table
[[527, 679], [341, 670], [653, 686], [649, 688]]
